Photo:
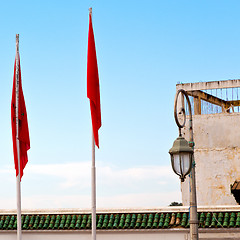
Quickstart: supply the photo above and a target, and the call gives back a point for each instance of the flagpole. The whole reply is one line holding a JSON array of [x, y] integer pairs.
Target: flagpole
[[93, 180], [93, 93], [93, 190], [19, 227]]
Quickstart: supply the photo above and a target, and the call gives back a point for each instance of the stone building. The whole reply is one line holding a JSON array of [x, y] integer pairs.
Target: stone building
[[216, 127]]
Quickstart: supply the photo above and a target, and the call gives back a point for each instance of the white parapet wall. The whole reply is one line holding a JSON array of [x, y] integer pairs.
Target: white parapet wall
[[101, 235], [235, 83], [166, 234]]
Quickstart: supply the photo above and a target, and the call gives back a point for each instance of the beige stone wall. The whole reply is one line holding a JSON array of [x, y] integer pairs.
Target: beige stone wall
[[217, 156]]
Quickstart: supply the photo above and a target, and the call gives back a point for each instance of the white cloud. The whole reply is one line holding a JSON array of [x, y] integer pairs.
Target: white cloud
[[84, 201], [79, 174], [72, 174], [144, 186]]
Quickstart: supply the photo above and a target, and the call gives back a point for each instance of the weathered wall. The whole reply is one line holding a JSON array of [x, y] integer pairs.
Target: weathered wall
[[217, 156]]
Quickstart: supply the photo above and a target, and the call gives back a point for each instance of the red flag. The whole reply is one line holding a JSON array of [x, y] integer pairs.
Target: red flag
[[23, 134], [93, 92]]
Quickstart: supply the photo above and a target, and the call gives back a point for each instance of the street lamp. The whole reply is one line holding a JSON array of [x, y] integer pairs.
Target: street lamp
[[182, 159]]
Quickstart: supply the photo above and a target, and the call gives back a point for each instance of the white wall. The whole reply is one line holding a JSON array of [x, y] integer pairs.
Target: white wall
[[217, 156], [165, 234], [86, 235]]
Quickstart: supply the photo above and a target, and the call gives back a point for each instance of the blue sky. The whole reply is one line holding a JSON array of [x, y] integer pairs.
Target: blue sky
[[144, 48]]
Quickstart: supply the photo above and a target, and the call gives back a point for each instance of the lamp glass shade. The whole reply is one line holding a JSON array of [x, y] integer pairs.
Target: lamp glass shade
[[181, 157], [182, 163]]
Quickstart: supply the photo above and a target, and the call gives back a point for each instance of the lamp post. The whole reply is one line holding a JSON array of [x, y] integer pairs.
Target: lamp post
[[182, 159]]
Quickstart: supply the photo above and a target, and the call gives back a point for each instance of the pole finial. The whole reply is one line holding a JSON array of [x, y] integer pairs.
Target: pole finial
[[90, 11], [17, 42]]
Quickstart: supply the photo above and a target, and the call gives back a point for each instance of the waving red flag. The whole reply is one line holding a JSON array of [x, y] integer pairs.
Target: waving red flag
[[93, 92], [23, 134]]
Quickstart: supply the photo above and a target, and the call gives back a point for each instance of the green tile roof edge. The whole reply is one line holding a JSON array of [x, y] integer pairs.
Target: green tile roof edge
[[121, 219]]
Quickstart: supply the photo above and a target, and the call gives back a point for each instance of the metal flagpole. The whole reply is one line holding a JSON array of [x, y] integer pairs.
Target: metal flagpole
[[93, 179], [93, 190], [19, 227]]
